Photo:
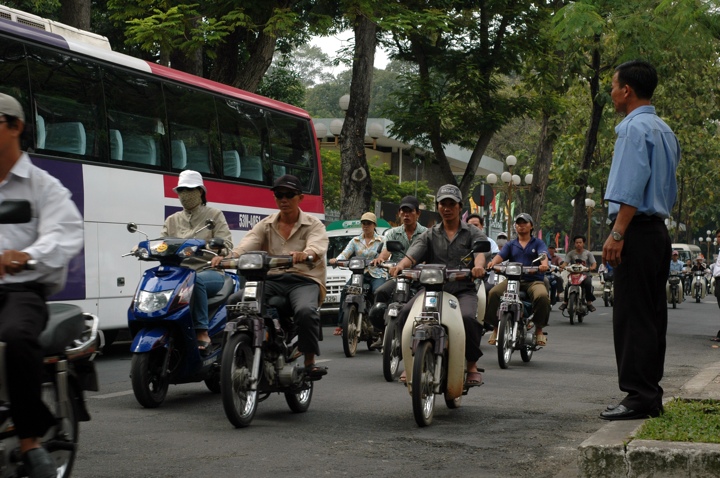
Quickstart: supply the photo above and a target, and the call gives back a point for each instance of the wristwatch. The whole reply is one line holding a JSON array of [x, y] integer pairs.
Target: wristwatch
[[617, 236]]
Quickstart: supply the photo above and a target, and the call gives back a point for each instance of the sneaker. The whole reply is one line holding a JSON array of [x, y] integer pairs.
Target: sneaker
[[591, 307], [39, 464], [562, 307]]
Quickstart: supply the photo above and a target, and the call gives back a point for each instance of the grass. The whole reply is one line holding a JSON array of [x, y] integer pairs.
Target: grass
[[685, 420]]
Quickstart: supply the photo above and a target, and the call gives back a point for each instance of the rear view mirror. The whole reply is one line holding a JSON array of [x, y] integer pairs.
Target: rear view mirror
[[15, 211], [481, 246], [395, 246], [132, 227]]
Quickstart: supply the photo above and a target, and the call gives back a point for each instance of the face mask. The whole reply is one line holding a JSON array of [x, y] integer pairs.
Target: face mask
[[501, 242], [190, 199]]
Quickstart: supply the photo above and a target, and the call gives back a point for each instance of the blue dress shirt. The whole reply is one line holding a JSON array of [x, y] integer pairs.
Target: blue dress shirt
[[643, 168]]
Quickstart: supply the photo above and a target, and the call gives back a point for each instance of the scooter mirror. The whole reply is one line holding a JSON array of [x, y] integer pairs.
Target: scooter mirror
[[395, 246], [15, 211], [210, 224], [481, 246], [132, 227], [216, 243]]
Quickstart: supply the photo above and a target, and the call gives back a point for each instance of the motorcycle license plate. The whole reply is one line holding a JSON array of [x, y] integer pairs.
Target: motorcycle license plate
[[512, 287], [332, 299], [507, 297]]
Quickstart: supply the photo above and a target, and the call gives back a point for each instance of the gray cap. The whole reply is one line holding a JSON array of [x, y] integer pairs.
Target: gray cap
[[9, 106], [525, 217], [449, 191]]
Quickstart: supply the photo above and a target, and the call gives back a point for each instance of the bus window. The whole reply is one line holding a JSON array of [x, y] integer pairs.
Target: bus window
[[242, 131], [136, 118], [68, 98], [15, 82], [193, 121], [291, 148]]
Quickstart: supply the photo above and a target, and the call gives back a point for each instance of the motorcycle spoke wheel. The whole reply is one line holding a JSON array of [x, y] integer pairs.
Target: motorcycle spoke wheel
[[505, 343], [423, 384], [62, 438], [572, 307], [391, 351], [149, 383], [351, 331], [239, 401], [299, 402]]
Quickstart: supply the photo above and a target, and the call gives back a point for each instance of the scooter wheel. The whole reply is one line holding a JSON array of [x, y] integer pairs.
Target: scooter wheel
[[423, 384], [391, 351], [149, 383]]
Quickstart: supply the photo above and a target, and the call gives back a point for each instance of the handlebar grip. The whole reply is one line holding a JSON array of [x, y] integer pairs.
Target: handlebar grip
[[31, 265]]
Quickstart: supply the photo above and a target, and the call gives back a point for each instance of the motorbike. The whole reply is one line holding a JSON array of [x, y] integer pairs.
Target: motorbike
[[687, 281], [356, 324], [577, 302], [404, 291], [673, 289], [699, 286], [433, 339], [515, 328], [164, 347], [70, 341], [552, 284], [260, 356], [607, 279]]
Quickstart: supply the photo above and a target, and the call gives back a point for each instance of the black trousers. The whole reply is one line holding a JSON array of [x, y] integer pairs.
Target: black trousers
[[640, 312], [303, 293], [23, 315]]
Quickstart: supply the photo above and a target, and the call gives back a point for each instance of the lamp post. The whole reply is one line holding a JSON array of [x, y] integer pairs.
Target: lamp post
[[590, 208], [510, 183], [709, 241]]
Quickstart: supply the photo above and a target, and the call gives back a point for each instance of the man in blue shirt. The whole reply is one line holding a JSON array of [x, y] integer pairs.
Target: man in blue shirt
[[675, 264], [641, 191], [525, 249]]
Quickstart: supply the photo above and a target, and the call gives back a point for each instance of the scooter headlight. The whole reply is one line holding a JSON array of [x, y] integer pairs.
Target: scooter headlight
[[250, 262], [513, 269], [356, 263], [149, 302], [432, 276], [188, 251]]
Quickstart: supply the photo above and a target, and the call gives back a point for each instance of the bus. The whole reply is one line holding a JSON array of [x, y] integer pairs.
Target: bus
[[117, 131]]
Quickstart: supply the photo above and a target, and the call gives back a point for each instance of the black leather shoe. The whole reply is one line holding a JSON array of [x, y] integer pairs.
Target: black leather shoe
[[621, 412]]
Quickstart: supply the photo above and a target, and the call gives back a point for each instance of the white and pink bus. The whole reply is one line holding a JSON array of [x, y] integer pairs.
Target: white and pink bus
[[117, 131]]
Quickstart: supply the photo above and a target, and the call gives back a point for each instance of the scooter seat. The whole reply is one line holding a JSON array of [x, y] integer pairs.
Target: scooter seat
[[65, 324], [224, 293]]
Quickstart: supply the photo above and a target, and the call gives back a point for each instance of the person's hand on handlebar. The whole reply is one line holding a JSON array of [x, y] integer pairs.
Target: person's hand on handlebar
[[478, 272], [300, 256], [543, 268]]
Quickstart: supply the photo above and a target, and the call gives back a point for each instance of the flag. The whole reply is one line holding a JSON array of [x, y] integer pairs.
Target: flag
[[540, 234], [557, 240], [567, 243]]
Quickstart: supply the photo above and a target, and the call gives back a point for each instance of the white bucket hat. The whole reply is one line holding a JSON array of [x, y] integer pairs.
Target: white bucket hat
[[190, 179]]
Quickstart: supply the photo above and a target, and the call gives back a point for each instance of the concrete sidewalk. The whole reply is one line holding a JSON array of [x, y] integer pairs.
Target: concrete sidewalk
[[613, 452]]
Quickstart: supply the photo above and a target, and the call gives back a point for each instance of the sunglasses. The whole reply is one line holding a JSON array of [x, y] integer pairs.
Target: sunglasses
[[288, 195]]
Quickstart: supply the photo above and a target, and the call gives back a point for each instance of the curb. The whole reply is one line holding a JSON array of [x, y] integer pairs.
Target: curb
[[613, 452]]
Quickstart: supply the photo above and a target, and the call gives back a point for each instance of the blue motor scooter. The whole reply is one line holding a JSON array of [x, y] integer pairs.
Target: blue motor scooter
[[164, 346]]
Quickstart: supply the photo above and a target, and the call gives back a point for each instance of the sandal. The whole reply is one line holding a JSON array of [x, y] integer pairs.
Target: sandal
[[403, 378], [204, 346], [338, 331], [314, 371], [474, 379], [493, 337], [540, 340]]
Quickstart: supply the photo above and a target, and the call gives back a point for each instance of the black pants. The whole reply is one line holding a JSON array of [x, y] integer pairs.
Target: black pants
[[23, 315], [468, 308], [640, 312], [303, 293]]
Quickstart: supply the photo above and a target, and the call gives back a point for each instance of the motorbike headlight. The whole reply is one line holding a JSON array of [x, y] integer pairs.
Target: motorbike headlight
[[152, 301], [356, 263], [432, 276], [513, 269], [250, 262]]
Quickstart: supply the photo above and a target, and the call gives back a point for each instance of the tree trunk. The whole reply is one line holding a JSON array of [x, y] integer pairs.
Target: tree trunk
[[579, 225], [76, 13], [356, 186], [541, 170]]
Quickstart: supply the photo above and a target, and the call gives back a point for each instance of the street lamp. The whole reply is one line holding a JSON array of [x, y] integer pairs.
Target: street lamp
[[709, 240], [510, 183], [590, 208]]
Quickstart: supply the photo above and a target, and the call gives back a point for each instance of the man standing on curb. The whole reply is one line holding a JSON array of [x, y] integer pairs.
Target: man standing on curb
[[641, 191]]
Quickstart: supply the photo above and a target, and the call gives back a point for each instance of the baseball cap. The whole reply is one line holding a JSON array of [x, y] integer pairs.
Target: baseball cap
[[502, 235], [9, 106], [675, 253], [368, 216], [190, 179], [525, 217], [288, 181], [410, 202], [449, 191]]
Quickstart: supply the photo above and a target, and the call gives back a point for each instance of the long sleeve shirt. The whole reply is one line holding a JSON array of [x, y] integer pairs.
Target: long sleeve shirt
[[53, 236], [358, 246], [183, 224]]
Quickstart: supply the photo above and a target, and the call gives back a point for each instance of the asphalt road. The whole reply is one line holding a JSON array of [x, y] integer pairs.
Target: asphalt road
[[526, 421]]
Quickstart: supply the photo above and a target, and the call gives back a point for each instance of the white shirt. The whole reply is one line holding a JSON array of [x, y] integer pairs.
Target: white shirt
[[55, 233], [716, 267]]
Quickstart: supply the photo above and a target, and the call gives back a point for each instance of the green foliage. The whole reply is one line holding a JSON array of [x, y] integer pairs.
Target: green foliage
[[283, 84], [685, 420]]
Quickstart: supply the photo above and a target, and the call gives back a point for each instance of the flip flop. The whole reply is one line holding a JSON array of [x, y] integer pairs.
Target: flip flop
[[540, 340], [474, 379], [338, 331], [403, 378], [315, 372], [204, 346]]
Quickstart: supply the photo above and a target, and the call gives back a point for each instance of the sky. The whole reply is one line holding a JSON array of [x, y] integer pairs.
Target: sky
[[330, 45]]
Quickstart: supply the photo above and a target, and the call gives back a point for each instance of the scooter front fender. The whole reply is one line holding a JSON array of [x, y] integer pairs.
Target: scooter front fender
[[148, 339]]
